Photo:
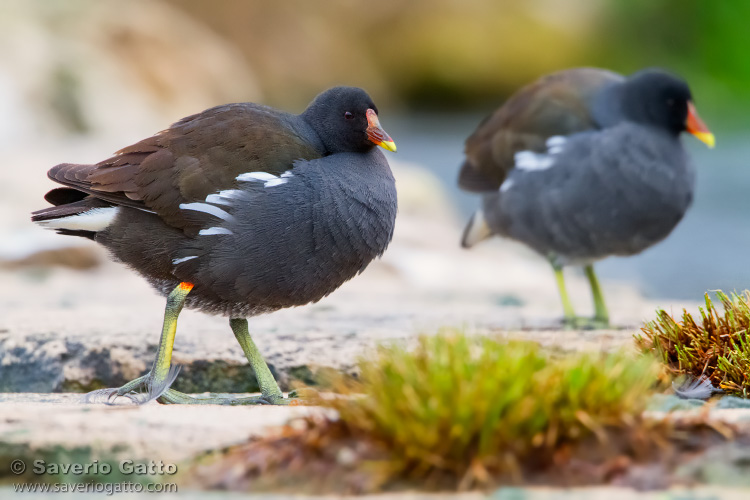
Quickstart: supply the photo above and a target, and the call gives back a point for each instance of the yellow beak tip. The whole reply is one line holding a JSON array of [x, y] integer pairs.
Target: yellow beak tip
[[707, 138], [389, 145]]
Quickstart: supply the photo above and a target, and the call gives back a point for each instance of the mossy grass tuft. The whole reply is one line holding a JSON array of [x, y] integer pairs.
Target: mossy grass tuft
[[457, 412], [476, 407], [716, 347]]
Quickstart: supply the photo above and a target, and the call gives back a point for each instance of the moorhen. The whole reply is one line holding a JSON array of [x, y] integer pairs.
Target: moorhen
[[239, 210], [584, 164]]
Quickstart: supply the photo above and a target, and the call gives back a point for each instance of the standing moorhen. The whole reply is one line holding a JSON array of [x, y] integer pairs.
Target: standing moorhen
[[584, 164], [238, 210]]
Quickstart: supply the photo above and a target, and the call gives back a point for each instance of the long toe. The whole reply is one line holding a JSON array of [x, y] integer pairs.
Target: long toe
[[108, 396], [116, 396], [584, 323], [280, 400], [171, 396], [139, 391]]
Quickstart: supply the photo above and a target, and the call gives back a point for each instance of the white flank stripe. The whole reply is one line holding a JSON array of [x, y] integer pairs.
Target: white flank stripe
[[217, 200], [275, 182], [95, 219], [225, 197], [207, 209], [214, 230], [268, 180], [555, 144], [526, 160], [506, 185], [184, 259], [255, 176]]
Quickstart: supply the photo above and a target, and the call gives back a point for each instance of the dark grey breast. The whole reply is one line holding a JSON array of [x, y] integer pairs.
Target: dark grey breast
[[595, 194], [563, 170]]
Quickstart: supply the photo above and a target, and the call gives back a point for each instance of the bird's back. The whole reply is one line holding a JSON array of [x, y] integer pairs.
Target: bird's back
[[554, 105]]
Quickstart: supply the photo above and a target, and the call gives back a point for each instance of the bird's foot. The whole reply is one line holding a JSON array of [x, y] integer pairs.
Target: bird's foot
[[175, 397], [585, 323], [138, 391]]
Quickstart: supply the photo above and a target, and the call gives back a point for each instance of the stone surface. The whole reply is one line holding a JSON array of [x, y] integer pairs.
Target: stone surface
[[44, 426], [82, 331], [58, 428]]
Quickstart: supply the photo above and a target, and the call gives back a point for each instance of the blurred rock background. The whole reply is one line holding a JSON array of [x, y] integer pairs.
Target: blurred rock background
[[81, 78]]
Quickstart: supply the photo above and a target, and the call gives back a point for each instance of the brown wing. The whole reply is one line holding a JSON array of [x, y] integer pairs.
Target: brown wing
[[197, 156], [553, 105]]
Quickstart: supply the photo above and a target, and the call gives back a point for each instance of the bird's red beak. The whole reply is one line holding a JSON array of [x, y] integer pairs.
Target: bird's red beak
[[376, 134], [695, 126]]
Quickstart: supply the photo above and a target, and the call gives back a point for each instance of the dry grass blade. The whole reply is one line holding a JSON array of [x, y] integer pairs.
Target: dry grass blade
[[716, 347]]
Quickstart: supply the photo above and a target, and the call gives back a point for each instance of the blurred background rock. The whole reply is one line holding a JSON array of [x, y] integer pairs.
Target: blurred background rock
[[81, 78]]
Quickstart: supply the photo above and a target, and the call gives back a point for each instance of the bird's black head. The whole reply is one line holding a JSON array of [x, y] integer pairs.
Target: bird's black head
[[655, 97], [346, 120]]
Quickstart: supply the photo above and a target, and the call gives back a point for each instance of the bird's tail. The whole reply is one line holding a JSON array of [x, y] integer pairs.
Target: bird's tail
[[476, 230], [83, 217]]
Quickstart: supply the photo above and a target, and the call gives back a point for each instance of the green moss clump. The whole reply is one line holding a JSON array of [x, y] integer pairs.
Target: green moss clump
[[717, 347], [477, 407]]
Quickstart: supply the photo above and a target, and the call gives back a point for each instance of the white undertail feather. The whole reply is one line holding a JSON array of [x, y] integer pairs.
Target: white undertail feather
[[476, 230], [93, 220]]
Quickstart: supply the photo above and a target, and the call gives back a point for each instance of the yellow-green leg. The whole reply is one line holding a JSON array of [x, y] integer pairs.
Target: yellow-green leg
[[570, 315], [270, 392], [601, 315], [155, 384], [269, 389]]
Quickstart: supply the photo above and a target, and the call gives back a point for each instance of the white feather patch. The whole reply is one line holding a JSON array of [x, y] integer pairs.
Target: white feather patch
[[506, 185], [207, 209], [184, 259], [225, 197], [214, 230], [555, 144], [275, 182], [268, 180], [528, 160], [95, 219], [255, 176]]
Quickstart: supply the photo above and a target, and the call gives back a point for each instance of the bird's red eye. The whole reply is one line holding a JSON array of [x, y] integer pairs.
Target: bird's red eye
[[348, 115]]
